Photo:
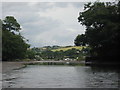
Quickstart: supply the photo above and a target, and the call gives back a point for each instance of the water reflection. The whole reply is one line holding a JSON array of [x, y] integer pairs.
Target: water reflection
[[103, 77], [35, 76]]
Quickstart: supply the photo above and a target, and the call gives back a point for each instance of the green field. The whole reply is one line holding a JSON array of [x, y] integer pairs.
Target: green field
[[67, 48]]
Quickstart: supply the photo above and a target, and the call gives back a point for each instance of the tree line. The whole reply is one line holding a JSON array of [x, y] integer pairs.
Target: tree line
[[14, 45], [47, 54], [102, 35]]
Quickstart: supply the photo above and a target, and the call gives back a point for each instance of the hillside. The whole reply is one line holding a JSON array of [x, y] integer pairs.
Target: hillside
[[67, 48]]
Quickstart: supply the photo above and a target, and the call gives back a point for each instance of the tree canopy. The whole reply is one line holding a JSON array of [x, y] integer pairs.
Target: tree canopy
[[13, 45], [10, 23], [80, 40], [102, 28]]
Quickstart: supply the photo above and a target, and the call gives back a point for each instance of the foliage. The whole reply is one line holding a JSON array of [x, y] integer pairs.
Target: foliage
[[13, 45], [102, 28], [80, 40], [10, 23], [30, 54], [71, 52]]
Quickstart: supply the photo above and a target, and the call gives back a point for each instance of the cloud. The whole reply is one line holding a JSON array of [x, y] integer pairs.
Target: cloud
[[57, 0], [47, 23]]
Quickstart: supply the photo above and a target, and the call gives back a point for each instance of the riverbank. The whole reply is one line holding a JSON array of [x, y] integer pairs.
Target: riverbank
[[9, 66]]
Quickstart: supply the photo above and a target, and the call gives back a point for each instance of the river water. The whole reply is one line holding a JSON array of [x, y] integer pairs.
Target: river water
[[46, 76]]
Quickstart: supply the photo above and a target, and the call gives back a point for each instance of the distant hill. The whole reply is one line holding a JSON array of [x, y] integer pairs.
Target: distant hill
[[56, 48], [54, 52], [67, 48]]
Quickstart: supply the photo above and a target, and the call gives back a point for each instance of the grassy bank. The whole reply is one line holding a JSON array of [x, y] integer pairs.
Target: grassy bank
[[68, 48]]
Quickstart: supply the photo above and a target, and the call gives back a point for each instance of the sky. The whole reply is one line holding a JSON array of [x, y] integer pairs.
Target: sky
[[46, 23]]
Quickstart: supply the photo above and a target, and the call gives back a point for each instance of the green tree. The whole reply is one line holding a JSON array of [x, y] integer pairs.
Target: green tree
[[13, 45], [30, 54], [80, 40], [10, 23], [71, 53], [102, 28]]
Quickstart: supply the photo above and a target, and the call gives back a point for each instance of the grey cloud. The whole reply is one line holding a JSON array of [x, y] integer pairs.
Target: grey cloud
[[78, 5], [41, 30], [40, 25]]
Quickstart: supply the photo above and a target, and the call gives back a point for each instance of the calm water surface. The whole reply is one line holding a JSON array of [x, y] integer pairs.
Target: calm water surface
[[38, 76]]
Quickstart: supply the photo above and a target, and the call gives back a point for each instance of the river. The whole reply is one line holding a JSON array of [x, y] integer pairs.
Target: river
[[53, 76]]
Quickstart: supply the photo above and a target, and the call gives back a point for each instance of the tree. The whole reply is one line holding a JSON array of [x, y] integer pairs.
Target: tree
[[13, 45], [30, 54], [80, 40], [10, 23], [102, 28]]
